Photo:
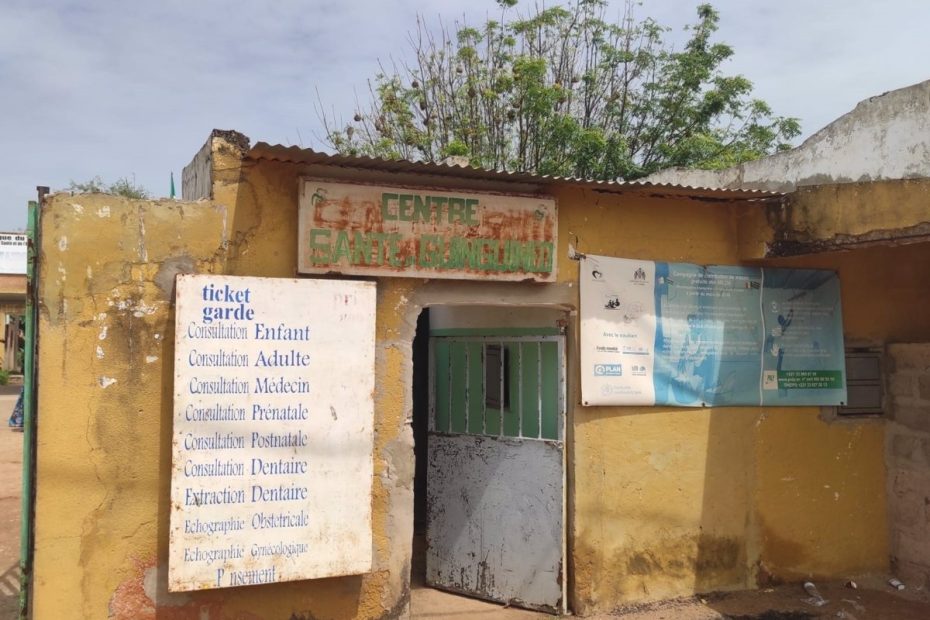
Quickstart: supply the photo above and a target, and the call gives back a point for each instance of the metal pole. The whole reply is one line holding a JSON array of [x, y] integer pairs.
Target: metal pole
[[29, 412]]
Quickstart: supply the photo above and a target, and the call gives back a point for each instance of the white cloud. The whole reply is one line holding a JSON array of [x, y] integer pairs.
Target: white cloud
[[111, 88]]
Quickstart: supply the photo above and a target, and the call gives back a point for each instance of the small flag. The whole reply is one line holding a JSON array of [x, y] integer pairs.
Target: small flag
[[172, 186]]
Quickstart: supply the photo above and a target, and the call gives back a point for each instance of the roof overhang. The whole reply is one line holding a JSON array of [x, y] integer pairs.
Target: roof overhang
[[303, 156]]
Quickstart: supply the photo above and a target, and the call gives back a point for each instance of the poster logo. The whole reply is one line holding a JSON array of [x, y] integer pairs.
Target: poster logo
[[608, 370]]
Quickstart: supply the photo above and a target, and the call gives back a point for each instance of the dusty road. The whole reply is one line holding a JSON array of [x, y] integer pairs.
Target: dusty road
[[874, 600]]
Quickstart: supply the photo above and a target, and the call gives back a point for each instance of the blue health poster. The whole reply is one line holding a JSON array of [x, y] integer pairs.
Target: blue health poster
[[691, 335]]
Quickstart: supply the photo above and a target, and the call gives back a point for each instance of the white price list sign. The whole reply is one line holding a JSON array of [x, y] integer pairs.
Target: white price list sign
[[272, 436]]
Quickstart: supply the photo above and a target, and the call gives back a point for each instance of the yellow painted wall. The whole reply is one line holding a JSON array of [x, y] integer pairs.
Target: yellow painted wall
[[663, 501], [841, 517], [844, 210], [884, 290], [820, 499], [668, 502], [105, 411], [662, 496]]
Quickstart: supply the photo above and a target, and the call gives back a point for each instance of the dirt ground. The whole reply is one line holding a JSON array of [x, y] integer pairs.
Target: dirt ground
[[873, 600], [11, 465]]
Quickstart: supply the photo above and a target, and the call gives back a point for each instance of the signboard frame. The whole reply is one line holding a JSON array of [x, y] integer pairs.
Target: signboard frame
[[273, 430], [687, 335], [427, 251]]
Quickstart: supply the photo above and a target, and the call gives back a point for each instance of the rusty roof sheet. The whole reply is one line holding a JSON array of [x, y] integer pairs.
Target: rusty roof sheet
[[295, 154]]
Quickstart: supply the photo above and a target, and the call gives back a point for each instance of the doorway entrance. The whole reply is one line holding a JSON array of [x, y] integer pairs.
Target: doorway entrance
[[489, 487]]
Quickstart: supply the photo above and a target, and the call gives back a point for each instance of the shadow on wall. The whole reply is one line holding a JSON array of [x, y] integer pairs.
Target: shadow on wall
[[725, 545], [662, 502], [672, 502]]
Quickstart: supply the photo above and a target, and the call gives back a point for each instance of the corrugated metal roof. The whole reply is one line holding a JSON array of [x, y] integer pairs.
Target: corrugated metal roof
[[295, 154]]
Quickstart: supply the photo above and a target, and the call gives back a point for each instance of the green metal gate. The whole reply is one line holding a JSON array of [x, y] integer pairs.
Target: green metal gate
[[495, 483], [529, 386]]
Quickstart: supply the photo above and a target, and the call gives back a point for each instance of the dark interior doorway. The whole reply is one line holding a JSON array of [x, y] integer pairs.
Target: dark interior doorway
[[420, 424]]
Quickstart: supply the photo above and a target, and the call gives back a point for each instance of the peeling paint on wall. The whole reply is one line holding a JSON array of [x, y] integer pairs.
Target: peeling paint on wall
[[718, 515]]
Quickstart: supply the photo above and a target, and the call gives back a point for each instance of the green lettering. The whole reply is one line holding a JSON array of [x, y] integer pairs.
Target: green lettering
[[492, 254], [439, 203], [421, 209], [548, 252], [457, 250], [474, 253], [512, 255], [377, 241], [430, 256], [385, 208], [456, 209], [342, 248], [361, 249], [320, 251], [470, 205], [528, 256], [405, 201]]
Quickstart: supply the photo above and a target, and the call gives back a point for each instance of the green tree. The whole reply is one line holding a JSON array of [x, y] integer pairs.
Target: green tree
[[123, 186], [564, 91]]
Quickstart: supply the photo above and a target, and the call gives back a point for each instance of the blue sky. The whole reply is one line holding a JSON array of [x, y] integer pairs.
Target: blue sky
[[116, 88]]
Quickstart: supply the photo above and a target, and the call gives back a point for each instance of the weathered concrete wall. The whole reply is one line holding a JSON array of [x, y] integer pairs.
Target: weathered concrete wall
[[197, 176], [884, 137], [667, 502], [103, 468], [445, 317], [908, 447], [852, 215], [885, 301], [662, 502], [883, 291], [105, 397], [826, 218], [105, 401], [654, 514], [820, 498], [815, 494]]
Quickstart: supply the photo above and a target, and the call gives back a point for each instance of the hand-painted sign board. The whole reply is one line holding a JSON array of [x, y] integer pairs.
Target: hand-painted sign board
[[273, 431], [679, 334], [419, 233]]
